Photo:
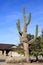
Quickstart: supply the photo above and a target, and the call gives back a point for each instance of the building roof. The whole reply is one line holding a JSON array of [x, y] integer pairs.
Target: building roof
[[6, 46]]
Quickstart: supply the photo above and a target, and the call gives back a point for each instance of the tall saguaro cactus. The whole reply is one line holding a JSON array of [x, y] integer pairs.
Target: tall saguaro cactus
[[23, 35]]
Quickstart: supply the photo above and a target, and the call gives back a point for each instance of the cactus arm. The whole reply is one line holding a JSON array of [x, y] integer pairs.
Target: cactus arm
[[19, 30], [29, 18], [18, 27], [36, 34], [31, 41], [24, 16]]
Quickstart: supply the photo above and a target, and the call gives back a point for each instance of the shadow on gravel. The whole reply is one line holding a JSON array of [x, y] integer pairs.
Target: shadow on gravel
[[2, 60]]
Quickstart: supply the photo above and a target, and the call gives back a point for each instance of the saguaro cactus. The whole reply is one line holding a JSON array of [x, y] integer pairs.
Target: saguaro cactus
[[24, 38], [23, 35]]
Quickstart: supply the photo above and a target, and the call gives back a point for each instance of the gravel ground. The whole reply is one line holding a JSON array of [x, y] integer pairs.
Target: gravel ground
[[3, 63]]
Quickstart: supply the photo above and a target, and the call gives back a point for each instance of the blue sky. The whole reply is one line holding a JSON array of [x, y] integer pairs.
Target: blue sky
[[11, 11]]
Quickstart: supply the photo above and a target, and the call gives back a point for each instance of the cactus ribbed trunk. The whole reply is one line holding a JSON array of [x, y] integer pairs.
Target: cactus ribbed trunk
[[26, 51]]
